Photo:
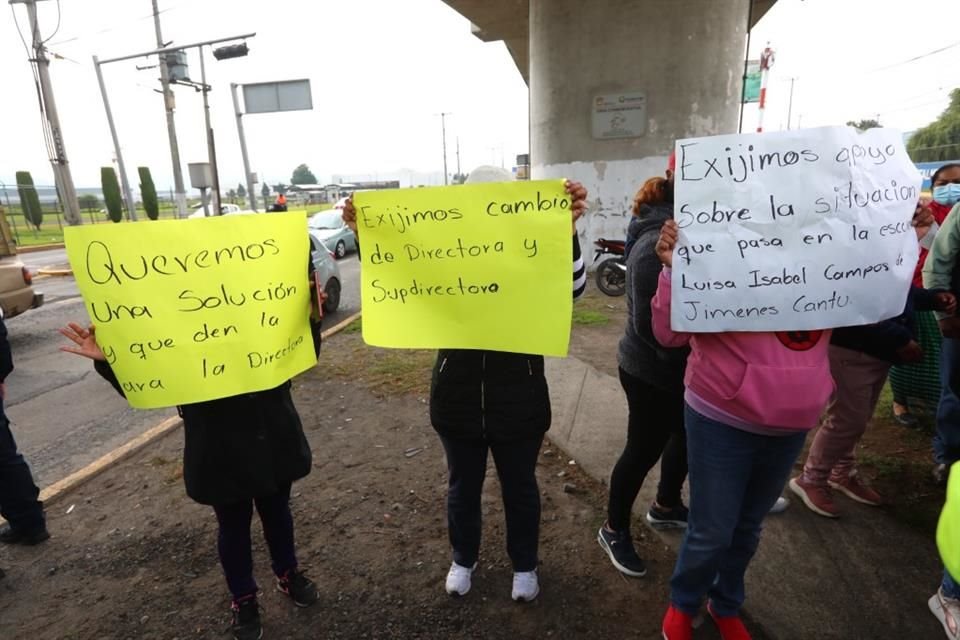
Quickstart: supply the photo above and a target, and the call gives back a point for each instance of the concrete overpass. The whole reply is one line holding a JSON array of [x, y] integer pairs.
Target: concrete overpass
[[613, 83]]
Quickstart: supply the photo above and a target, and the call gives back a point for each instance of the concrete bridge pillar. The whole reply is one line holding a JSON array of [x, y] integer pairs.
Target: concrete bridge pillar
[[682, 59]]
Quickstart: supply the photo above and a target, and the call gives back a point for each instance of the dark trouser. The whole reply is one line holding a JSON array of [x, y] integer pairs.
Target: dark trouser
[[233, 539], [946, 440], [18, 493], [735, 478], [654, 429], [516, 467]]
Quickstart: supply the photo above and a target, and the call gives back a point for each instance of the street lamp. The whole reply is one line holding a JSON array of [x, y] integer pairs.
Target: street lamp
[[220, 53]]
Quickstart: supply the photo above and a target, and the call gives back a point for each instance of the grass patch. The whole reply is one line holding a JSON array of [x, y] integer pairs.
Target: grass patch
[[382, 371], [589, 317], [354, 327]]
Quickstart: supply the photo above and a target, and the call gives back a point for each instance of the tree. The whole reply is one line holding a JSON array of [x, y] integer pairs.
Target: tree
[[148, 193], [280, 188], [29, 199], [459, 178], [89, 202], [241, 191], [232, 195], [111, 193], [303, 175], [863, 125], [939, 140]]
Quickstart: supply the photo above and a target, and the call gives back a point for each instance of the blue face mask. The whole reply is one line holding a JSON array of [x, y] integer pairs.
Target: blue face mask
[[948, 194]]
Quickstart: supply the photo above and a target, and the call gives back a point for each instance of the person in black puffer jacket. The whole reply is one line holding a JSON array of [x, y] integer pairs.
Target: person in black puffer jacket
[[484, 402], [240, 452]]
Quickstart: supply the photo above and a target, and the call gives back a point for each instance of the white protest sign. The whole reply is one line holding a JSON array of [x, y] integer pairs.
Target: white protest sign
[[797, 230]]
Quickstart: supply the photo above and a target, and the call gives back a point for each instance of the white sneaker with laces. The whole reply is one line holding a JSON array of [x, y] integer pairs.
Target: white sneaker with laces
[[526, 587], [458, 579], [947, 611]]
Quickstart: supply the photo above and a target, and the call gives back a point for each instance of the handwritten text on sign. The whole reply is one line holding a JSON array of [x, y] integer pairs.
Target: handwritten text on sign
[[194, 310], [485, 266], [796, 230]]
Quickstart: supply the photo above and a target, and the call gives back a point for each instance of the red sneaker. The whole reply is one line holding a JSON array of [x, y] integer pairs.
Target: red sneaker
[[853, 488], [677, 625], [818, 499], [731, 627]]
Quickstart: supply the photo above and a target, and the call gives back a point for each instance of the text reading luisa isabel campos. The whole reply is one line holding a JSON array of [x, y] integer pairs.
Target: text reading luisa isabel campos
[[436, 243]]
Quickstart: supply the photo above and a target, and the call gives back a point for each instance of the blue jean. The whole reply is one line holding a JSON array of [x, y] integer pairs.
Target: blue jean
[[946, 440], [950, 587], [735, 478], [18, 492]]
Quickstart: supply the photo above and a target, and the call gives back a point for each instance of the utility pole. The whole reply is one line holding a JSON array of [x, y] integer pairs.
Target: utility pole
[[458, 157], [790, 105], [169, 103], [251, 196], [443, 125], [211, 145], [52, 131], [124, 182]]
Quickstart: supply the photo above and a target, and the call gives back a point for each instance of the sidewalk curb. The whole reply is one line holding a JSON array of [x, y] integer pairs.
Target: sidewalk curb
[[74, 480], [34, 248]]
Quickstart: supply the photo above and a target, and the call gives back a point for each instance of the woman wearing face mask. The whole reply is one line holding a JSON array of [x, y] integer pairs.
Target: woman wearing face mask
[[921, 381], [939, 268]]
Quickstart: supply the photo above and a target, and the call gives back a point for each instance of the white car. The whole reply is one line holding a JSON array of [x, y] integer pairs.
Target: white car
[[225, 209], [326, 266]]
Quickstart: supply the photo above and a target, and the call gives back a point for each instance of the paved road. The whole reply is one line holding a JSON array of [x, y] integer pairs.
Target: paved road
[[64, 415]]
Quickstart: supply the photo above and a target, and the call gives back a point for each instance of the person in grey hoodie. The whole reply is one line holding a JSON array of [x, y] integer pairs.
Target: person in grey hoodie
[[652, 379]]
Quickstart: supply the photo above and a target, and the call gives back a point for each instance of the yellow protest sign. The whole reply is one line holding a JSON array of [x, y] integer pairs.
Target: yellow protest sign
[[485, 266], [194, 310], [948, 528]]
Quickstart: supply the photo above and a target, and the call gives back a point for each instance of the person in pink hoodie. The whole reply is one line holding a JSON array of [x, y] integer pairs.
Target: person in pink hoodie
[[750, 400]]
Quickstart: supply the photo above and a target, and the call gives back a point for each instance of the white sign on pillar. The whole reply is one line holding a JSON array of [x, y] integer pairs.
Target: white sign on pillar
[[797, 230], [620, 115]]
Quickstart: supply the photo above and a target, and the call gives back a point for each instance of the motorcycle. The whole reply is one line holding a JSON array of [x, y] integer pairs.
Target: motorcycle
[[611, 274]]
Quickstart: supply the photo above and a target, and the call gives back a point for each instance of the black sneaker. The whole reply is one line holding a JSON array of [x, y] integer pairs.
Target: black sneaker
[[619, 546], [246, 619], [673, 518], [9, 535], [299, 587]]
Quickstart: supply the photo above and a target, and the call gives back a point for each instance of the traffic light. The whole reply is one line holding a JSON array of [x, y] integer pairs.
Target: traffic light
[[231, 51]]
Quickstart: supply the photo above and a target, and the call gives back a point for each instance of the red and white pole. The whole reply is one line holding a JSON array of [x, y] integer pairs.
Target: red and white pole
[[766, 61]]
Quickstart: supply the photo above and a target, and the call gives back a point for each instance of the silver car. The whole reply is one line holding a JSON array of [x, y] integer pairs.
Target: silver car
[[326, 266], [330, 229]]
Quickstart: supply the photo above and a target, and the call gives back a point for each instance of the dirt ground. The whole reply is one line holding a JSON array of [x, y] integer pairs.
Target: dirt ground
[[132, 557]]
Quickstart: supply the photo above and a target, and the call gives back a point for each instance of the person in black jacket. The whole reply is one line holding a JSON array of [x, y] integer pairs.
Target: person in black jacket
[[19, 503], [484, 402], [240, 452], [860, 359], [652, 379]]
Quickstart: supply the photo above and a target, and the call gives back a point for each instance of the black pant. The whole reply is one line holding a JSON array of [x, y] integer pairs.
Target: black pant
[[654, 428], [18, 493], [233, 539], [516, 467]]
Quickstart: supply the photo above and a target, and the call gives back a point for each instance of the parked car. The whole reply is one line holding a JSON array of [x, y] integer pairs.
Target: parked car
[[326, 266], [330, 228], [225, 209], [16, 288]]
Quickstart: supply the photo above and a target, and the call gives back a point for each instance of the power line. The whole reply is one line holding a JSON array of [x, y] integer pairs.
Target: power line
[[915, 58], [114, 27], [57, 30]]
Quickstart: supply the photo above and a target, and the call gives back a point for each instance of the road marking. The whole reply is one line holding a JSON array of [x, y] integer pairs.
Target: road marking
[[74, 480]]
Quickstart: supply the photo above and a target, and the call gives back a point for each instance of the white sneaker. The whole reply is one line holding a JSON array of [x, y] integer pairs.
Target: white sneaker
[[947, 611], [779, 506], [526, 587], [458, 579]]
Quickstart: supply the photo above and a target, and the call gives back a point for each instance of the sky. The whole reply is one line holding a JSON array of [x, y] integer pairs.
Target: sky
[[383, 70]]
